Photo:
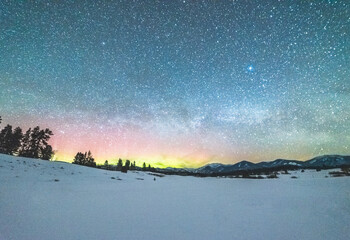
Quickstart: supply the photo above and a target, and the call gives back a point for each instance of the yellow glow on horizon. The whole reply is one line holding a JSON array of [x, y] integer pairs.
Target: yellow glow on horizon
[[155, 161]]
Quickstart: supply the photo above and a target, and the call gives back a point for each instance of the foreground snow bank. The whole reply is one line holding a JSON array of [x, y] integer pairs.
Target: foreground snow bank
[[51, 200]]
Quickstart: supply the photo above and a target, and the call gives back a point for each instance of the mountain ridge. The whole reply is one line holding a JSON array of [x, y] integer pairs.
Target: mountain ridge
[[323, 161]]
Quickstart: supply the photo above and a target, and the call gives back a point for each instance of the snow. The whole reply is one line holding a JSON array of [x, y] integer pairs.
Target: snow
[[86, 203]]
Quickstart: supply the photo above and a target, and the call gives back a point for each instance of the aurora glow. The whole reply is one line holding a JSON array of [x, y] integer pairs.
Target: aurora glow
[[179, 83]]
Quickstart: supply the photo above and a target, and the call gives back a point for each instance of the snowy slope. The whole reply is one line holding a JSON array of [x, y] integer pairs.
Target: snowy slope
[[87, 203], [326, 161]]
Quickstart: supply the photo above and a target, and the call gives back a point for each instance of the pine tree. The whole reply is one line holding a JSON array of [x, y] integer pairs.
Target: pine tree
[[5, 139], [46, 153], [144, 166], [85, 159], [24, 150], [119, 164], [15, 141], [10, 140], [127, 164], [79, 159], [35, 144], [90, 161], [132, 166]]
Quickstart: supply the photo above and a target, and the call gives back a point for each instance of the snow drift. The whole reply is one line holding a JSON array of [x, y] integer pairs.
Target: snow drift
[[52, 200]]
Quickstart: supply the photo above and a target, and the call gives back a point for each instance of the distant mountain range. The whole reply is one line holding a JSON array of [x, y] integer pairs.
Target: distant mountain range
[[326, 161]]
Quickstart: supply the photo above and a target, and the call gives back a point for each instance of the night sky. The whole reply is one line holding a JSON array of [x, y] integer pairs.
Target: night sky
[[179, 83]]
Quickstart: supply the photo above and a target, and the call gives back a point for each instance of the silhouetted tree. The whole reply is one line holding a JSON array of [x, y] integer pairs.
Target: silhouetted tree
[[90, 161], [46, 152], [35, 144], [144, 166], [106, 164], [119, 164], [10, 140], [127, 164], [132, 166], [17, 136], [85, 159], [5, 138], [149, 167], [79, 159]]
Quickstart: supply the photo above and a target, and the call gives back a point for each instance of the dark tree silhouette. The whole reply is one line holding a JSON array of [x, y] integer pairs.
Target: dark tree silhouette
[[90, 161], [85, 159], [5, 138], [47, 152], [15, 143], [127, 164], [144, 166], [79, 159], [35, 144], [120, 164], [132, 166], [10, 140]]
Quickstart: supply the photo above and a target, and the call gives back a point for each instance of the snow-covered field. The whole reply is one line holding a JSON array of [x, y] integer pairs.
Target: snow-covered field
[[86, 203]]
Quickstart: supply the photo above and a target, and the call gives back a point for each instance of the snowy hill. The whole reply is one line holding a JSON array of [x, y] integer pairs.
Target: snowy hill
[[53, 200], [329, 161], [326, 161], [279, 163]]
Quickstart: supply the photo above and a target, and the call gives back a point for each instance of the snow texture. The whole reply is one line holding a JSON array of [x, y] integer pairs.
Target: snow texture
[[54, 200]]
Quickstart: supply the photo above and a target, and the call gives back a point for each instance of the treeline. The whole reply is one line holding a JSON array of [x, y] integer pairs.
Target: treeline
[[33, 143], [86, 159]]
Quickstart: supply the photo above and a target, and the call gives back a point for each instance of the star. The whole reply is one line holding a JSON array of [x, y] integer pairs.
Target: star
[[250, 68], [178, 82]]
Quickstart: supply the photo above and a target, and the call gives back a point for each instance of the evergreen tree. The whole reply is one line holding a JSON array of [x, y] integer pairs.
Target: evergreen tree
[[90, 161], [5, 139], [106, 164], [10, 140], [79, 159], [120, 164], [149, 167], [132, 166], [17, 136], [46, 152], [85, 159], [144, 166], [24, 150], [35, 144], [127, 164]]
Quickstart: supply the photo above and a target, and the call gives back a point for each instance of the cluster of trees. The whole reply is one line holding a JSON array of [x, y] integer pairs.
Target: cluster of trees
[[126, 166], [33, 144], [145, 168], [85, 159]]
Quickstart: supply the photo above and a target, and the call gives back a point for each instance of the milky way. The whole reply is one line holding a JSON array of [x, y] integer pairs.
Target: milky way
[[179, 83]]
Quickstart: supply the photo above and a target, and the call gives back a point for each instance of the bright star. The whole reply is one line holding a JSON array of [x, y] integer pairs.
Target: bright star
[[250, 68]]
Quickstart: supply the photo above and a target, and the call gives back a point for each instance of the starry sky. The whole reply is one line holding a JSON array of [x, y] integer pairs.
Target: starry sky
[[179, 83]]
